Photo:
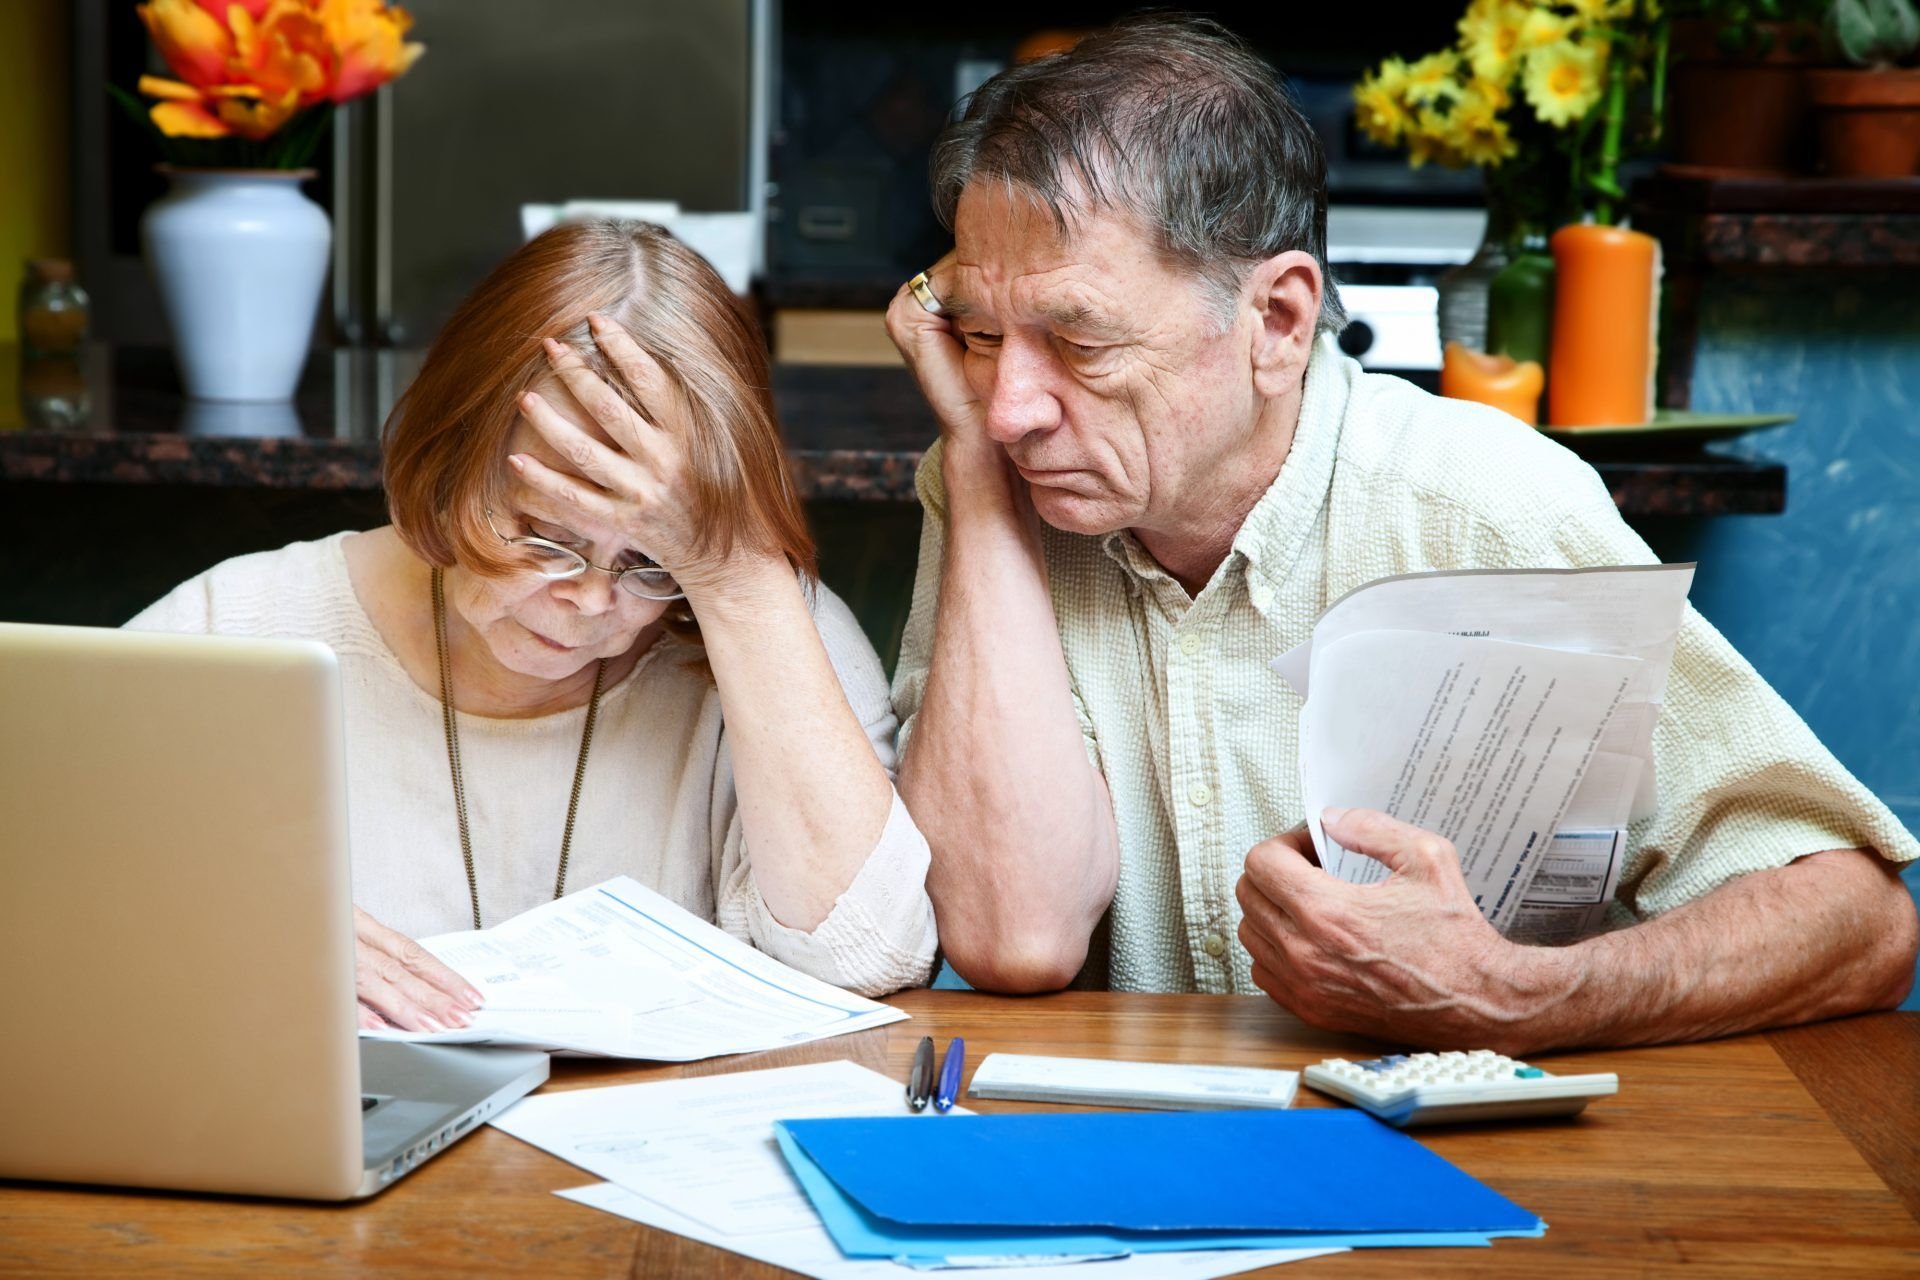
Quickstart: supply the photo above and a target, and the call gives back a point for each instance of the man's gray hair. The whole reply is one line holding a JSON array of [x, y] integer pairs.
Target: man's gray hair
[[1170, 118]]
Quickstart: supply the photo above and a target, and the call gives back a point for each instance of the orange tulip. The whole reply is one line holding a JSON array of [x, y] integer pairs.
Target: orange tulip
[[246, 67], [284, 51], [368, 39], [195, 44], [219, 8]]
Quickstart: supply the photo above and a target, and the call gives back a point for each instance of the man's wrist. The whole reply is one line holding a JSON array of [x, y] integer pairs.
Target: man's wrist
[[975, 474], [1544, 992]]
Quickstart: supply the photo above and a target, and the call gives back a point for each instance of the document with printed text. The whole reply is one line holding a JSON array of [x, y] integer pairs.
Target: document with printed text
[[1511, 711], [619, 971]]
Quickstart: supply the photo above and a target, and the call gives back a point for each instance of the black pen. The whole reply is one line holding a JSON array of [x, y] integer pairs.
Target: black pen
[[920, 1080]]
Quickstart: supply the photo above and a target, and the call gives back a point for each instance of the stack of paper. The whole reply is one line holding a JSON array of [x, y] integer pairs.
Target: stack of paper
[[617, 970], [1112, 1184], [698, 1158], [1511, 711]]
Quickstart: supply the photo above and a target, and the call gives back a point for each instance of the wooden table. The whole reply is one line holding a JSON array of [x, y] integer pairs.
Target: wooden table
[[1793, 1151]]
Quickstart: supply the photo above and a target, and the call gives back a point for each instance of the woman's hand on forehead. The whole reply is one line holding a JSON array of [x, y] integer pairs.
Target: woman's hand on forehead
[[636, 488]]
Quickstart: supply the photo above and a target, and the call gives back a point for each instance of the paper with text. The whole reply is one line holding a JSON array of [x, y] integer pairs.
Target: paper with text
[[619, 971], [1477, 740], [1464, 701], [704, 1147], [1571, 888], [812, 1252]]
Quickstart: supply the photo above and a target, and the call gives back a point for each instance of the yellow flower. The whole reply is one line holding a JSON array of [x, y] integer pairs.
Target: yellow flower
[[1379, 109], [1496, 96], [1432, 76], [1542, 28], [1422, 149], [1473, 109], [1486, 142], [1470, 130], [1599, 11], [1563, 81], [1490, 36]]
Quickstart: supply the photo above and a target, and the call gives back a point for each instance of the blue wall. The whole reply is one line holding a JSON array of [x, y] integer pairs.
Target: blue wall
[[1824, 600]]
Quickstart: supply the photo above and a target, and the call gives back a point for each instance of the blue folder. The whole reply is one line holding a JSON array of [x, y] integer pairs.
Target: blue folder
[[1088, 1184]]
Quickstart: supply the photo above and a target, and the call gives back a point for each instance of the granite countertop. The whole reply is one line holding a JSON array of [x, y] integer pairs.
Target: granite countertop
[[117, 416]]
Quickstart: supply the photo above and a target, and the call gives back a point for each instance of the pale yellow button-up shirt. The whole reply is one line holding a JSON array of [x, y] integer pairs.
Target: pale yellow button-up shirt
[[1197, 738]]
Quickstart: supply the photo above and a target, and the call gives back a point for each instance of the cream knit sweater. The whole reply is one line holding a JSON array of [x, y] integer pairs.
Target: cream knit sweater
[[658, 802]]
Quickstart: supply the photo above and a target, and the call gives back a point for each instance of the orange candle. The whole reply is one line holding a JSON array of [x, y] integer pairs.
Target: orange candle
[[1605, 306], [1501, 381]]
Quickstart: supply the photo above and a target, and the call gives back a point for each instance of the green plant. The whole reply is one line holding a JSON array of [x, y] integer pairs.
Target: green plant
[[1748, 28], [1873, 33]]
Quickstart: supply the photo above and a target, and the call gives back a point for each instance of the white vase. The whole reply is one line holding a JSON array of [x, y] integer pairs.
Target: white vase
[[240, 256]]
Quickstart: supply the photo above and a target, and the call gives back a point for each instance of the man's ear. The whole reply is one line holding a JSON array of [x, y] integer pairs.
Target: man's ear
[[1285, 293]]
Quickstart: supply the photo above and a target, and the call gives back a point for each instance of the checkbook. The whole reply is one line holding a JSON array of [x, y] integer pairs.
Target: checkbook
[[1160, 1086]]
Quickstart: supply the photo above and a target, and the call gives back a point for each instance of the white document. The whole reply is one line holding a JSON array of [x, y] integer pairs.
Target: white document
[[704, 1148], [1101, 1082], [1572, 887], [811, 1251], [619, 971], [1633, 611], [1495, 707]]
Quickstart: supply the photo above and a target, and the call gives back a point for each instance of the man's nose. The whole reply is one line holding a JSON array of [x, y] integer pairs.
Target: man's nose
[[1022, 400]]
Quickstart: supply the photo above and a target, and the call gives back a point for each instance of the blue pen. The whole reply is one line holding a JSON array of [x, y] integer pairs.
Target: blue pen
[[950, 1068]]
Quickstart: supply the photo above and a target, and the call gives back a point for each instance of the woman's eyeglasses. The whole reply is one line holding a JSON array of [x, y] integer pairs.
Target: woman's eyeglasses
[[553, 560]]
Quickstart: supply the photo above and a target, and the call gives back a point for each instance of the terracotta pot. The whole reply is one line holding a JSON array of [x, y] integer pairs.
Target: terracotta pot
[[1745, 113], [1868, 121]]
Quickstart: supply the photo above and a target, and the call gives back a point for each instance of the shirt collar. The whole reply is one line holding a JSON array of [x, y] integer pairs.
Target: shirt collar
[[1275, 530]]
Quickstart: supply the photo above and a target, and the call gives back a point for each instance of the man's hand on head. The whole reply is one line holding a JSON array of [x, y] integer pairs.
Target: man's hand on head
[[931, 345], [1409, 959]]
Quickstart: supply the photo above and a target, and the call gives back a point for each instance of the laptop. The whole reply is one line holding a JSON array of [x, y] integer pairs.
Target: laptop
[[176, 931]]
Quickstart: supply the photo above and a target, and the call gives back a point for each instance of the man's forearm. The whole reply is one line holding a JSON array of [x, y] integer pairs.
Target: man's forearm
[[1831, 934], [996, 774]]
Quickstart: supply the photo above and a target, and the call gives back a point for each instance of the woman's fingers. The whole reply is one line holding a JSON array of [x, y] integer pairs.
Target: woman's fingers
[[616, 417], [643, 373], [400, 981], [605, 467], [591, 503]]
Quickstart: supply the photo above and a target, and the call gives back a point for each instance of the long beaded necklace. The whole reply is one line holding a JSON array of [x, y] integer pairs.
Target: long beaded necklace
[[453, 754]]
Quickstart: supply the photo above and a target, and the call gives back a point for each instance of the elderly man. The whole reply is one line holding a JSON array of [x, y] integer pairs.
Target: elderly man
[[1155, 470]]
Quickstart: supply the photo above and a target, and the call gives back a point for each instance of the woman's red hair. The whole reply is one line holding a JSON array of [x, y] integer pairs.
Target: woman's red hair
[[445, 443]]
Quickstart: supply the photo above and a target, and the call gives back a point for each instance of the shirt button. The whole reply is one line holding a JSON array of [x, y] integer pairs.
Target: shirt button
[[1216, 946], [1199, 793], [1189, 644], [1258, 593]]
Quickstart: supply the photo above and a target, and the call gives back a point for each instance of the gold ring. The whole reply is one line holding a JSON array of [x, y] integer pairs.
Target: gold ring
[[923, 290]]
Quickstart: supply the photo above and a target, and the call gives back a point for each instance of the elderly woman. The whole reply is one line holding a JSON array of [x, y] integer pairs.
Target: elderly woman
[[591, 643]]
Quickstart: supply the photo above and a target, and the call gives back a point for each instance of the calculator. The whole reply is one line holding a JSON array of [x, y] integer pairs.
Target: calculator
[[1447, 1088]]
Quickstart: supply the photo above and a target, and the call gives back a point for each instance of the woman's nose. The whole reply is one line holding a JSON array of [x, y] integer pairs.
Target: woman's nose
[[592, 593]]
